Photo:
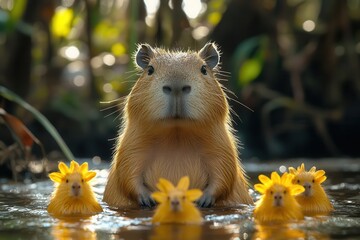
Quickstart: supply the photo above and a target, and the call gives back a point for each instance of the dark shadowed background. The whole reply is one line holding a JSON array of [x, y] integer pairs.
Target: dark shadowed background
[[295, 63]]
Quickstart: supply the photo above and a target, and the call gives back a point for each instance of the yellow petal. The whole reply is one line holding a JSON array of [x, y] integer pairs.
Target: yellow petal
[[319, 174], [63, 168], [161, 187], [89, 175], [160, 197], [301, 168], [72, 166], [193, 194], [167, 185], [84, 167], [292, 170], [275, 177], [296, 189], [183, 183], [75, 167], [76, 163], [260, 188], [313, 169], [264, 179], [56, 177], [321, 179], [287, 178]]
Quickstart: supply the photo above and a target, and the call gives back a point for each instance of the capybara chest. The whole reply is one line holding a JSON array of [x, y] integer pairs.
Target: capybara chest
[[174, 162]]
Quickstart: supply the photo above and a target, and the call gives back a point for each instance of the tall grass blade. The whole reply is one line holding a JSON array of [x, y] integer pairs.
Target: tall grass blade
[[11, 96]]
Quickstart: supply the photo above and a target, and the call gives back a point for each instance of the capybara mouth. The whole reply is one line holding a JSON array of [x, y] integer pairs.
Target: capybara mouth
[[178, 117]]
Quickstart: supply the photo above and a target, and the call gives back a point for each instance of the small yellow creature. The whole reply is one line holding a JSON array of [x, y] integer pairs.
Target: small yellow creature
[[73, 193], [176, 203], [314, 199], [277, 203]]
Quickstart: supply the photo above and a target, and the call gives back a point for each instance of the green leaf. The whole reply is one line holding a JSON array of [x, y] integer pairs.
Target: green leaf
[[16, 13], [249, 58], [249, 71], [17, 10]]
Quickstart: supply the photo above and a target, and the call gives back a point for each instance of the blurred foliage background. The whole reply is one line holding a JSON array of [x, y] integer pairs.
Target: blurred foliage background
[[295, 63]]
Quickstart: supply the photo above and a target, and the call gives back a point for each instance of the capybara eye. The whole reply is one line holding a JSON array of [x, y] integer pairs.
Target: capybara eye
[[151, 70], [313, 180], [298, 181], [203, 70], [67, 180]]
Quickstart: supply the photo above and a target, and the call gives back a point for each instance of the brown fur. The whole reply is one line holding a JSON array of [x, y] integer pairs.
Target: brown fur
[[153, 144]]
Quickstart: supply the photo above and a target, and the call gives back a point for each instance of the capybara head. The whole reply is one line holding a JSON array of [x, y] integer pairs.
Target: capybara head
[[177, 87]]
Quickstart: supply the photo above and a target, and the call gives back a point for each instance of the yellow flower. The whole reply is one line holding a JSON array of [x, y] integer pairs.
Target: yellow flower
[[73, 193], [285, 180], [314, 199], [74, 168], [318, 176], [176, 203], [277, 202]]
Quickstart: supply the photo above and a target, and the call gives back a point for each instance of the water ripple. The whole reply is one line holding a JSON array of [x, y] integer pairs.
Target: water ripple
[[23, 215]]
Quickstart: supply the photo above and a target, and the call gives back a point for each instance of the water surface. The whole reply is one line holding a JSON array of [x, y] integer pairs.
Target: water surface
[[23, 212]]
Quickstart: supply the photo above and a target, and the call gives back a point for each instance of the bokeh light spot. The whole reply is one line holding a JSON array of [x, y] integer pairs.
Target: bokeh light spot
[[309, 25], [107, 87], [96, 62], [200, 32], [79, 80], [72, 53], [61, 21], [118, 49], [96, 160], [109, 59], [282, 169], [214, 18], [192, 8], [152, 6]]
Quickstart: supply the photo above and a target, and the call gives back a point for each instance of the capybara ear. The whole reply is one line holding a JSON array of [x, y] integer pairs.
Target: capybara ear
[[143, 55], [210, 54]]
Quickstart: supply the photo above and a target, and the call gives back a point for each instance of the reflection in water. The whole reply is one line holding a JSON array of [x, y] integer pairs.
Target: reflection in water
[[317, 214], [176, 232], [76, 228], [279, 231], [286, 231]]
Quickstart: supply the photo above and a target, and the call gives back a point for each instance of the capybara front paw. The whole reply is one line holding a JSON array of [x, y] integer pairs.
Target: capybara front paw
[[145, 200], [207, 200]]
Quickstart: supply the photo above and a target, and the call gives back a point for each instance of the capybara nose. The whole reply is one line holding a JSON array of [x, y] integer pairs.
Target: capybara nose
[[176, 90], [278, 200], [307, 191], [175, 205], [76, 189]]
